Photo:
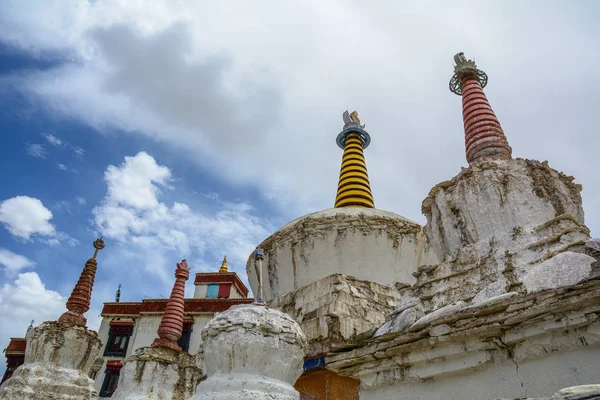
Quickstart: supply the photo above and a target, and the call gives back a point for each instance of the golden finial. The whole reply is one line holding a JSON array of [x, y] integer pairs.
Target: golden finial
[[224, 265]]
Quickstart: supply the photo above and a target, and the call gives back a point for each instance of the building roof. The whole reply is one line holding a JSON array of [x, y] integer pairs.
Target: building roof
[[157, 306], [16, 346]]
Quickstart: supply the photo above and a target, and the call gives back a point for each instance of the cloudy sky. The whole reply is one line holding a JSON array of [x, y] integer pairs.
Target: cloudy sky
[[188, 129]]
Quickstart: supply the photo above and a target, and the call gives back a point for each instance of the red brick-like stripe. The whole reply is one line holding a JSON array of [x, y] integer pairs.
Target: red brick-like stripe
[[484, 137], [171, 325], [79, 301]]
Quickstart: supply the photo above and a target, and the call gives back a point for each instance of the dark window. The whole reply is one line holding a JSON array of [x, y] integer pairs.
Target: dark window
[[118, 339], [111, 378], [184, 342]]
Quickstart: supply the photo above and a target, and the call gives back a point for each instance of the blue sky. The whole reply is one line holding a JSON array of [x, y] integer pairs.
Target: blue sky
[[196, 131]]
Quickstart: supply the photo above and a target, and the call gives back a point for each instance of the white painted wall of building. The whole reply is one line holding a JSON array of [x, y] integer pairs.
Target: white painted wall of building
[[235, 294], [103, 332], [200, 322], [144, 333], [200, 291]]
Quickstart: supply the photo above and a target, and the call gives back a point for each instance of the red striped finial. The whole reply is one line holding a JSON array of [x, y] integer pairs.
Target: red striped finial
[[484, 137], [79, 301], [170, 329]]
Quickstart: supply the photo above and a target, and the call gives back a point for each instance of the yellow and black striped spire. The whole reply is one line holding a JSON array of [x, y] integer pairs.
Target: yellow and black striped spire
[[354, 189]]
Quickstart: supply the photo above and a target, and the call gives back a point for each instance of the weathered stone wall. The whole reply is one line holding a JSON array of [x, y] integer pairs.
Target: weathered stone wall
[[57, 359], [537, 380], [497, 225], [337, 309], [511, 205], [371, 245], [155, 373], [508, 346]]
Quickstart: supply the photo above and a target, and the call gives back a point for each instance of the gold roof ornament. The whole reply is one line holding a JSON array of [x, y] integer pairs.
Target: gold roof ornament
[[224, 265]]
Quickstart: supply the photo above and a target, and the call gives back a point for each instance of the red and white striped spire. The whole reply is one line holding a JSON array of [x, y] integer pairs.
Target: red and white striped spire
[[79, 301], [170, 329], [484, 137]]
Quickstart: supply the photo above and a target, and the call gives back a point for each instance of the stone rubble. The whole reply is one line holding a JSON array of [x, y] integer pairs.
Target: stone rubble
[[593, 244]]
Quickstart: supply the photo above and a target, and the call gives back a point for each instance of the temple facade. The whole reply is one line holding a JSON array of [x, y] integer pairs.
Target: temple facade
[[127, 326], [497, 296], [15, 356]]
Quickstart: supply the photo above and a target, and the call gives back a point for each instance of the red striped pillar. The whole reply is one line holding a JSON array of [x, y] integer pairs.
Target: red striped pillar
[[171, 325], [79, 301], [484, 137]]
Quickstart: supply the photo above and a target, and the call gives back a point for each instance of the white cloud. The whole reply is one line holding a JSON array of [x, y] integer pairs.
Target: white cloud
[[256, 92], [24, 300], [136, 182], [13, 263], [63, 144], [63, 167], [37, 150], [25, 216], [133, 213], [79, 152], [80, 200], [53, 140]]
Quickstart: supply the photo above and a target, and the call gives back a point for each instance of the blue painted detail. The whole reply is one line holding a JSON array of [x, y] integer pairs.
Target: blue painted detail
[[212, 292], [259, 254], [364, 136], [314, 363]]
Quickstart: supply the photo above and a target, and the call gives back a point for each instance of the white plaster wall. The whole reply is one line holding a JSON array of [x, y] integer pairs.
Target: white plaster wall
[[372, 245], [200, 322], [145, 332], [103, 334], [235, 294], [538, 378], [200, 291]]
